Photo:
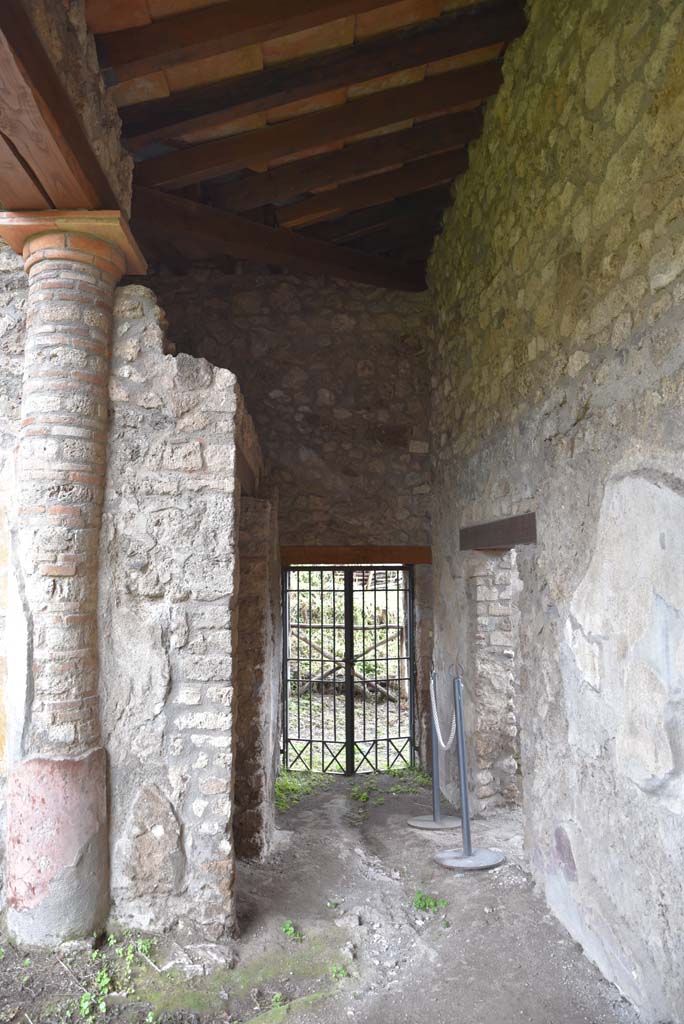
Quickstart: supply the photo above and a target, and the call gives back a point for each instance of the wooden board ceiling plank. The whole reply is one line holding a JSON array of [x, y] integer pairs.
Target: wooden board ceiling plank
[[37, 117], [365, 222], [458, 90], [218, 29], [210, 106], [287, 181], [18, 190], [171, 217], [413, 177]]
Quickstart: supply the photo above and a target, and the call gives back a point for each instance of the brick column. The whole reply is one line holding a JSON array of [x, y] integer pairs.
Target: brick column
[[57, 850]]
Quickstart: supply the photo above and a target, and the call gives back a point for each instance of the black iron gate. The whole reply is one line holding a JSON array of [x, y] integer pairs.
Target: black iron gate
[[348, 666]]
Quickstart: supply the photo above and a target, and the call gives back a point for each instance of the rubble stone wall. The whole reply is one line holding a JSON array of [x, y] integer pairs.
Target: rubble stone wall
[[13, 294], [168, 623], [335, 376], [558, 368], [64, 34]]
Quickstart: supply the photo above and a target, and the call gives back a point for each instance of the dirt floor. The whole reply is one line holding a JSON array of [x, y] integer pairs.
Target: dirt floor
[[333, 930]]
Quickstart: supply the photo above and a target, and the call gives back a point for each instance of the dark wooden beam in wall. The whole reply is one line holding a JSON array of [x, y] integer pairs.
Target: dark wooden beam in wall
[[166, 216], [354, 555], [46, 157], [193, 35], [501, 534], [373, 191], [357, 160], [210, 106], [452, 91]]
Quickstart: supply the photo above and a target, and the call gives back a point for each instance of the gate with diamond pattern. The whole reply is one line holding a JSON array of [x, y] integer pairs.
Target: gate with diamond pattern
[[348, 666]]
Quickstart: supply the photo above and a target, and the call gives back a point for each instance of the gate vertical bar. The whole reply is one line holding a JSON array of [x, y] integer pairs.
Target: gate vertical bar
[[411, 667], [285, 674], [349, 667]]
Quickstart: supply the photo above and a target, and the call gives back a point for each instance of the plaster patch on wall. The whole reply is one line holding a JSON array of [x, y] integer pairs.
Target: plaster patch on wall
[[625, 631]]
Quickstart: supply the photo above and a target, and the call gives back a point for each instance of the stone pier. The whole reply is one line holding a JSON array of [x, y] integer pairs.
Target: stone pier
[[57, 859]]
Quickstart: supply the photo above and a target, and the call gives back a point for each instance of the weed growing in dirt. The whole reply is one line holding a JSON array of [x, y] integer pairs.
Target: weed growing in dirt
[[290, 787], [410, 780], [363, 792], [277, 999], [289, 929], [428, 904], [339, 971]]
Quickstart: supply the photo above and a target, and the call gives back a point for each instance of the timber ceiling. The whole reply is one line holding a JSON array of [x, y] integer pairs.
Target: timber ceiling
[[317, 135]]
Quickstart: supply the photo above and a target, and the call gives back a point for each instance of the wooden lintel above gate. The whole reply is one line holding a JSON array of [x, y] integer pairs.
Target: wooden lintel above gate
[[500, 535], [293, 554]]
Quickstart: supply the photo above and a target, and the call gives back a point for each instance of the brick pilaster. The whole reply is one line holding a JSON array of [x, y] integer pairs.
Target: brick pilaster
[[57, 810]]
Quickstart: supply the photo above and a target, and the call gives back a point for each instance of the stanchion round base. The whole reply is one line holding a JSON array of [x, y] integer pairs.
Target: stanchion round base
[[479, 860], [426, 821]]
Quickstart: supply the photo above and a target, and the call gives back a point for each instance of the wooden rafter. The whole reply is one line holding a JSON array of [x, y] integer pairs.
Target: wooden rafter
[[287, 181], [211, 106], [171, 217], [194, 35], [364, 222], [46, 157], [453, 91], [413, 177]]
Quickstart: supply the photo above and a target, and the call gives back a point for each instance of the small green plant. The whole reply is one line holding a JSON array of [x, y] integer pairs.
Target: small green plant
[[277, 999], [339, 971], [86, 1005], [111, 941], [290, 787], [289, 929], [332, 904], [103, 980], [26, 961], [363, 793], [428, 904], [2, 953], [151, 1018], [144, 946], [409, 780]]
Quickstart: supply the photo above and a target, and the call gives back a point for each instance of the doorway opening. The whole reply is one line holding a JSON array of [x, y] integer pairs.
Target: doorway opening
[[348, 668]]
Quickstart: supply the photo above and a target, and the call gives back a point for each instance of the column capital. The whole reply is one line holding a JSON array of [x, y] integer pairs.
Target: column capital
[[87, 236]]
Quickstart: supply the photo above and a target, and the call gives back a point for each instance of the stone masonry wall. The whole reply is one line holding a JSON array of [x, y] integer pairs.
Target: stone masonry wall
[[257, 677], [335, 377], [13, 292], [62, 29], [558, 370], [493, 685], [168, 618]]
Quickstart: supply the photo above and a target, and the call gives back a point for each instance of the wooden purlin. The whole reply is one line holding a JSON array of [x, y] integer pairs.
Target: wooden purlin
[[167, 216]]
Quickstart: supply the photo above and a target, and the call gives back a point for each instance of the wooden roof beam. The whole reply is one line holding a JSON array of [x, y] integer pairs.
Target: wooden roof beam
[[46, 158], [414, 177], [193, 35], [453, 91], [167, 216], [213, 105], [279, 184], [363, 223]]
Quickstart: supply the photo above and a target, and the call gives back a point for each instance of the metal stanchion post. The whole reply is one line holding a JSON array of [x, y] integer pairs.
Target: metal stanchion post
[[438, 820], [466, 859]]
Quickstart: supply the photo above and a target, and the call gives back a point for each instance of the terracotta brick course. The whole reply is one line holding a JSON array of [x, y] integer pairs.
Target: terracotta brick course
[[60, 470]]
